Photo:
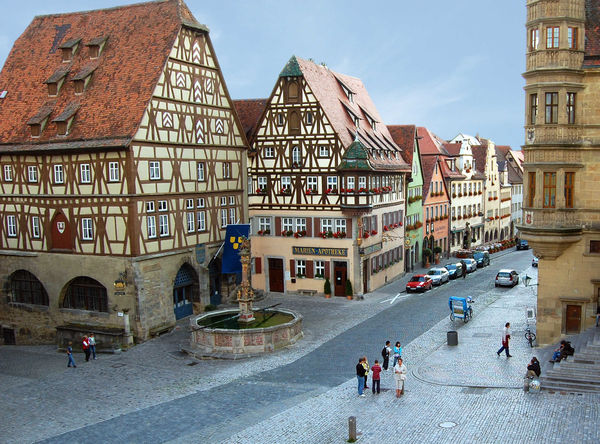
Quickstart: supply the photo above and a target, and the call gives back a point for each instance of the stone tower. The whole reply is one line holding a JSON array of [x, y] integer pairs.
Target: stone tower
[[562, 161]]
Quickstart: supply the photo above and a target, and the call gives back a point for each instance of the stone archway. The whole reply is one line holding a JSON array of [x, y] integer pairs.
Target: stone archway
[[185, 291], [85, 293], [26, 288], [496, 234]]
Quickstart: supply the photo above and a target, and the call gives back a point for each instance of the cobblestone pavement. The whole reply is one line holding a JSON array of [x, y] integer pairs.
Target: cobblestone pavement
[[304, 393]]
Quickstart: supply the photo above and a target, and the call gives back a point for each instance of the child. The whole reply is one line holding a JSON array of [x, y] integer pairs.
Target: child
[[376, 379], [70, 355], [365, 364]]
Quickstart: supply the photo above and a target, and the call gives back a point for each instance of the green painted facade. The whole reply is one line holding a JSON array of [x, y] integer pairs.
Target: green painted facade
[[414, 211]]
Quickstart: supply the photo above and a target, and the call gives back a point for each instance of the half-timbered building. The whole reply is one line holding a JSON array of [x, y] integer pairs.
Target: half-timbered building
[[123, 162], [326, 187]]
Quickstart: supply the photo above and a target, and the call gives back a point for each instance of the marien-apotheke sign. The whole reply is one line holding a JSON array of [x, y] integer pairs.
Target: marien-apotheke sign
[[320, 251]]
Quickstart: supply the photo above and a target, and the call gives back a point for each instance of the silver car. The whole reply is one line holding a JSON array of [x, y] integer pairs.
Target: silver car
[[507, 278], [438, 275], [471, 265]]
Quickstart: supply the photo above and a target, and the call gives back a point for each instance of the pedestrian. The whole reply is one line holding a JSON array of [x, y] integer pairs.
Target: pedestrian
[[597, 313], [385, 353], [366, 366], [533, 369], [397, 352], [463, 264], [85, 344], [376, 369], [70, 355], [92, 342], [505, 340], [400, 376], [360, 376]]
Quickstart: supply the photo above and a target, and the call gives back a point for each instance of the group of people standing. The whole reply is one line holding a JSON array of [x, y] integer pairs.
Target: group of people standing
[[88, 344], [398, 367]]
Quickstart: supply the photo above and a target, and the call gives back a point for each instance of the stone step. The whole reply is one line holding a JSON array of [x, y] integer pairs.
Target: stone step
[[569, 379], [569, 387], [592, 377]]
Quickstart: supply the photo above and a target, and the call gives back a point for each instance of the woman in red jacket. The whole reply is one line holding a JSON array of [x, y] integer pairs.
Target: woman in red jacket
[[85, 344]]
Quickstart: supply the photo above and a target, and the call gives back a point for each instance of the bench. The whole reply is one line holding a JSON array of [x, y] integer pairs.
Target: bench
[[308, 292]]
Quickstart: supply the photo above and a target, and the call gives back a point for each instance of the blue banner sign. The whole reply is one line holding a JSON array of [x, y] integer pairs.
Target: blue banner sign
[[234, 236]]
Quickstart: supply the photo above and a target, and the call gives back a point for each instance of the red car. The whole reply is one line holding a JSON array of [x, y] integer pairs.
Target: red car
[[419, 282]]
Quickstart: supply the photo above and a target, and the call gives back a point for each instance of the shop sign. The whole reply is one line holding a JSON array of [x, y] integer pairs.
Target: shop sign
[[320, 251]]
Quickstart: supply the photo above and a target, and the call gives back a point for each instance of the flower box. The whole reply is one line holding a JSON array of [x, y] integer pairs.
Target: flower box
[[263, 232]]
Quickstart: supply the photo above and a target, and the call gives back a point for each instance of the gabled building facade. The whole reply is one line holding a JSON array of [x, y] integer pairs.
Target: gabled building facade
[[436, 206], [561, 205], [510, 174], [405, 137], [121, 170], [327, 187]]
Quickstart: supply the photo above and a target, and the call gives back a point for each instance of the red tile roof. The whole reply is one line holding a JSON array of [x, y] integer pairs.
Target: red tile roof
[[404, 136], [453, 149], [427, 164], [480, 155], [592, 34], [249, 112], [429, 143], [139, 40]]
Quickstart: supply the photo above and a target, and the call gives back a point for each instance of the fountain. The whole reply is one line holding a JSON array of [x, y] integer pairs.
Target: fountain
[[234, 333]]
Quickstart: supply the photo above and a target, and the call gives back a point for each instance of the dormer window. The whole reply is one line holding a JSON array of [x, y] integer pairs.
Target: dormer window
[[83, 77], [95, 47], [69, 49], [56, 81], [349, 93], [65, 119], [38, 122]]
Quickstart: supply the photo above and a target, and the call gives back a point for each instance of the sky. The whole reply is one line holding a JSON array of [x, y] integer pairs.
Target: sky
[[453, 66]]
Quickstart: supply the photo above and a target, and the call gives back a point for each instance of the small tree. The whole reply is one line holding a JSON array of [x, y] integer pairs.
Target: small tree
[[437, 249], [327, 286], [427, 253], [349, 291]]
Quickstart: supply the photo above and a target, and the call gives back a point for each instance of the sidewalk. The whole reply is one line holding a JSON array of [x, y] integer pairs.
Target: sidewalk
[[461, 394]]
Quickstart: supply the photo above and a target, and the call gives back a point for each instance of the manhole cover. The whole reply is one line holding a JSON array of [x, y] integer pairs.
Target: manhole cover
[[447, 424]]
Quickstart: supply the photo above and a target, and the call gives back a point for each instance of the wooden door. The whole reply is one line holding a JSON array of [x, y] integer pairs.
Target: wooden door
[[61, 233], [365, 276], [339, 278], [276, 275], [573, 320]]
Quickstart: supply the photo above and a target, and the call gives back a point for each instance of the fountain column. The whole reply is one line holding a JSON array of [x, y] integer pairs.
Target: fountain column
[[245, 296]]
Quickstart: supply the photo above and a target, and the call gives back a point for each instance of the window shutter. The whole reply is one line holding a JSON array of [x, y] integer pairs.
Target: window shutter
[[292, 268], [349, 228], [257, 265], [309, 269], [326, 269], [277, 226], [309, 226]]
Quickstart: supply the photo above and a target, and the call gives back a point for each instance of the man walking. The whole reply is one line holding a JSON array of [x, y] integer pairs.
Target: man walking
[[505, 340], [385, 354], [463, 264]]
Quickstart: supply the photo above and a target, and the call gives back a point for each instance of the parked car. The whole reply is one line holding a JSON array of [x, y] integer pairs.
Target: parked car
[[419, 282], [507, 278], [454, 270], [471, 264], [522, 244], [482, 258], [438, 275], [534, 261]]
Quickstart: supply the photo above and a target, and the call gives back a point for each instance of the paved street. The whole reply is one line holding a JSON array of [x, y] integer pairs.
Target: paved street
[[305, 393]]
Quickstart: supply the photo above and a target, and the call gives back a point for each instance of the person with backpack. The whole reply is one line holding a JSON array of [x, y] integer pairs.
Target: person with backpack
[[385, 354]]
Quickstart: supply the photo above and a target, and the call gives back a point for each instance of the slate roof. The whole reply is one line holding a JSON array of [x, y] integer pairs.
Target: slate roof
[[249, 112], [404, 136], [139, 39], [325, 84]]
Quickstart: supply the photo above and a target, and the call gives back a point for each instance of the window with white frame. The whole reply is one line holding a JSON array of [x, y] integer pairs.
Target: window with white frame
[[113, 172], [35, 227], [231, 200], [162, 205], [269, 152], [287, 224], [300, 224], [85, 173], [189, 204], [191, 224], [8, 174], [201, 215], [223, 218], [340, 225], [201, 169], [362, 182], [323, 151], [300, 268], [154, 170], [332, 182], [286, 183], [296, 155], [262, 183], [232, 218], [32, 173], [87, 233], [200, 202], [312, 183], [320, 269], [226, 170], [280, 119], [264, 224], [326, 225], [163, 224], [59, 176], [223, 201], [309, 118], [350, 181], [150, 206], [151, 223]]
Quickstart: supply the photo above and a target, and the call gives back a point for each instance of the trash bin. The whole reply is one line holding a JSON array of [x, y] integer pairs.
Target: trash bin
[[452, 338]]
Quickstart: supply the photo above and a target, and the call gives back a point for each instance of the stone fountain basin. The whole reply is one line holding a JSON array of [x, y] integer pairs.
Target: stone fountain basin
[[230, 343]]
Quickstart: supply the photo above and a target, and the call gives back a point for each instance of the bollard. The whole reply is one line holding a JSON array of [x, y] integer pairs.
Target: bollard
[[352, 429]]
